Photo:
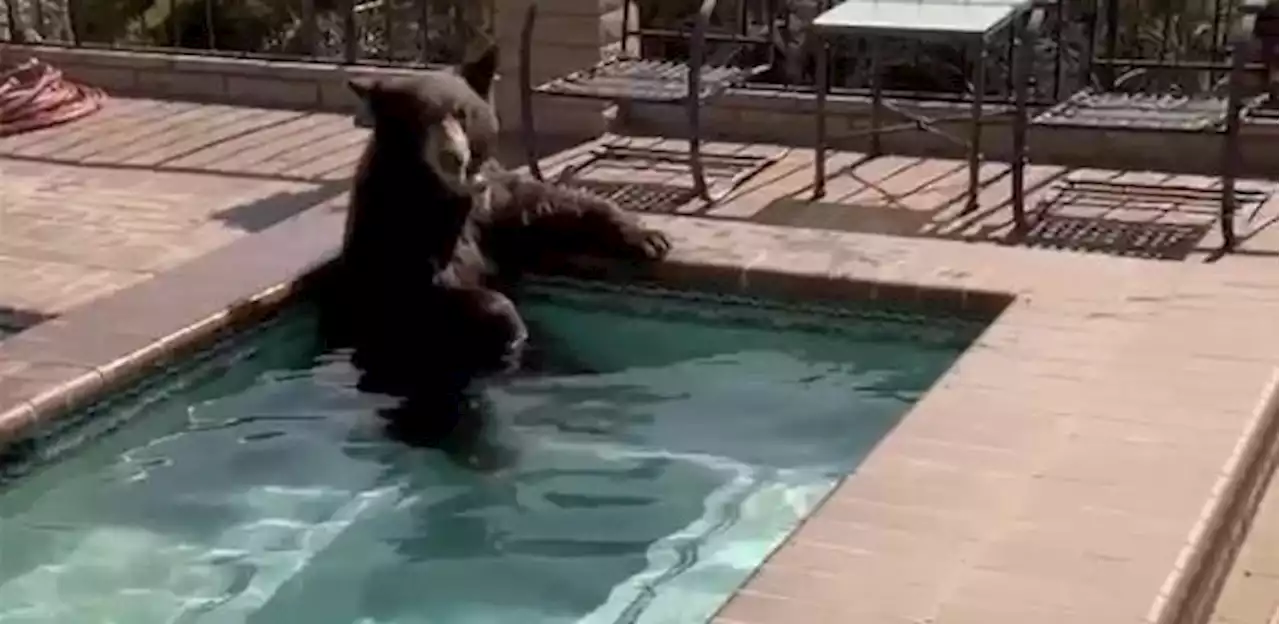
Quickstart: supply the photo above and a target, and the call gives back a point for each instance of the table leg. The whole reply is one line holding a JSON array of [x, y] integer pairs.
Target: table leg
[[975, 131], [877, 98], [1020, 67], [820, 141], [1239, 53]]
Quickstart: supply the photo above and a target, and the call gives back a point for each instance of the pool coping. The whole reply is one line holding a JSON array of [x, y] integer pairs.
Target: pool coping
[[69, 362], [1204, 567]]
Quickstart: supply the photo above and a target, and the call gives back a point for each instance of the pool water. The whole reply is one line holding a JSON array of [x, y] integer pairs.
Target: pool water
[[666, 447]]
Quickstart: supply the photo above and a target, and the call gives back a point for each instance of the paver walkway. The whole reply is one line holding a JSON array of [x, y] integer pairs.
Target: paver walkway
[[103, 203], [98, 205]]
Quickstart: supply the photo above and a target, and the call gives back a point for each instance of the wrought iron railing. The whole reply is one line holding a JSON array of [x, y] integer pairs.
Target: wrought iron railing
[[1182, 42], [398, 32], [1085, 42]]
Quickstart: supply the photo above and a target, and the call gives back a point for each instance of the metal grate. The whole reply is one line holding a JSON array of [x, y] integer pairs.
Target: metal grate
[[1136, 111], [638, 196], [1147, 230], [1152, 240]]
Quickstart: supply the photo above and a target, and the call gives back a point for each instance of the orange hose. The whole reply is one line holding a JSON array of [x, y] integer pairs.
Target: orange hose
[[34, 95]]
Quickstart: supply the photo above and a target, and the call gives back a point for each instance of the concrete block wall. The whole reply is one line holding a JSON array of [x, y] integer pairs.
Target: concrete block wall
[[250, 82], [788, 118]]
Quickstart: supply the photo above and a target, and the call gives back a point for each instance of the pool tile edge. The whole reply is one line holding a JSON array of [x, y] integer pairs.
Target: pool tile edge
[[786, 285], [1188, 594], [14, 421], [228, 298]]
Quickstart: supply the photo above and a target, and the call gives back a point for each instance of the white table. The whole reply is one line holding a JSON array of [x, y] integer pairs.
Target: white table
[[917, 18], [973, 21]]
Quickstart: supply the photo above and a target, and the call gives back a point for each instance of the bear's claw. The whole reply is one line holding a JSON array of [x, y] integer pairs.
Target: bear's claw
[[652, 244]]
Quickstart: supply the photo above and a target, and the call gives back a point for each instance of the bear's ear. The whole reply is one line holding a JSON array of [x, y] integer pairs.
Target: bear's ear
[[479, 71], [363, 86]]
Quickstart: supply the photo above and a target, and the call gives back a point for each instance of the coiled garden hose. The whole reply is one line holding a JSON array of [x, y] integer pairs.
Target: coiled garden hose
[[35, 95]]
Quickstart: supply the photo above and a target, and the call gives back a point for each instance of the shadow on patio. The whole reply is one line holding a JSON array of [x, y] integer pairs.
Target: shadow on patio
[[1172, 219], [306, 158]]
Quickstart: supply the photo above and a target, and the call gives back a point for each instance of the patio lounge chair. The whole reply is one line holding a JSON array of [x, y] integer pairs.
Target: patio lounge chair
[[1114, 106], [633, 78]]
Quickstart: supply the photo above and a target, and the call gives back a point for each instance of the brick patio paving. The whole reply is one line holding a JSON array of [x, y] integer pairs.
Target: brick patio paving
[[102, 204], [96, 206]]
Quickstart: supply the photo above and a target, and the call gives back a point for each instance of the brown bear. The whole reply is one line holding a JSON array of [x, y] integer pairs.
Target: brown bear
[[436, 226]]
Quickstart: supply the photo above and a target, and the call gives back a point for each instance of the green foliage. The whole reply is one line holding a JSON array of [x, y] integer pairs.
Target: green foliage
[[399, 30], [239, 25], [109, 21]]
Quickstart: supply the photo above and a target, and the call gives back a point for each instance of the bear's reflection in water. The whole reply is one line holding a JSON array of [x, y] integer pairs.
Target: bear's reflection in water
[[459, 425], [442, 404], [445, 410], [432, 368]]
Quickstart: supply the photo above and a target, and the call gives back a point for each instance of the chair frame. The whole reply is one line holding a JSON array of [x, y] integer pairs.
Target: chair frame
[[696, 90], [1242, 42]]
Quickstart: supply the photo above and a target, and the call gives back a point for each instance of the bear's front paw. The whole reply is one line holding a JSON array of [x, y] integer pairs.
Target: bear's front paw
[[650, 244]]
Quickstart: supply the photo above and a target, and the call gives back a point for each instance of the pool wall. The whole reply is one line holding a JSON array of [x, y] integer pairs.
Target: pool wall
[[70, 362]]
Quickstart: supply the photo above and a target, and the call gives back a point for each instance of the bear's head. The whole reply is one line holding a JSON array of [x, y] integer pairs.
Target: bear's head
[[442, 119]]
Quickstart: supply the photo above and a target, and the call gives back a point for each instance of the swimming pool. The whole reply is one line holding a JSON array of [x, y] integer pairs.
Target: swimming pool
[[667, 444]]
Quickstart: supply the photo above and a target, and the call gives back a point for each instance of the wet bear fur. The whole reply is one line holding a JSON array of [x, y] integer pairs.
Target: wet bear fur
[[435, 229]]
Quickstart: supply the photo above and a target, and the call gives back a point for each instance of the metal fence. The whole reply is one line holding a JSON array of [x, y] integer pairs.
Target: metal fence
[[1085, 42], [397, 32]]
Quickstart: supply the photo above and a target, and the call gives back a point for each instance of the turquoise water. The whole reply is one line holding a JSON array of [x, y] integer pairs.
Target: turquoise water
[[665, 450]]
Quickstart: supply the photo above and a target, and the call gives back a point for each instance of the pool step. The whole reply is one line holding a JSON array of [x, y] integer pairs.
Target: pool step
[[134, 574]]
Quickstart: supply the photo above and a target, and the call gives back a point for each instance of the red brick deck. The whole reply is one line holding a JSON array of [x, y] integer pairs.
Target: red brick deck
[[98, 205], [1059, 473]]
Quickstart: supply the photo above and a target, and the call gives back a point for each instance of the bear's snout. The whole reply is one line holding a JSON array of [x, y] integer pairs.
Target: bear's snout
[[448, 152]]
